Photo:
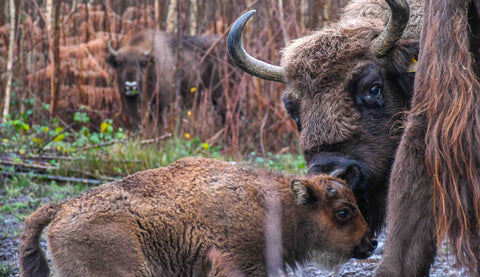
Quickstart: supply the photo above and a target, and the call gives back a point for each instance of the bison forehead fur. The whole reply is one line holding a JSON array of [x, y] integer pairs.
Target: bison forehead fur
[[170, 221]]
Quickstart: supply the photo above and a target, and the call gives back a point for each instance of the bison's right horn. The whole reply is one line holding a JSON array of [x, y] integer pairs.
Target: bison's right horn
[[110, 48], [396, 25], [246, 62]]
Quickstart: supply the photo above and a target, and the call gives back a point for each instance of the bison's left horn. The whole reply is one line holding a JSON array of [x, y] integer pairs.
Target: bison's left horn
[[246, 62], [395, 27], [110, 48]]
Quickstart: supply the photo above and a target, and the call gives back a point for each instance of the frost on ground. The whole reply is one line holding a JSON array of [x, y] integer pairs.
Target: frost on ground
[[444, 265]]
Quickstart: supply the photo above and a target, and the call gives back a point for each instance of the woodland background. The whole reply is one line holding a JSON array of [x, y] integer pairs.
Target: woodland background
[[52, 63]]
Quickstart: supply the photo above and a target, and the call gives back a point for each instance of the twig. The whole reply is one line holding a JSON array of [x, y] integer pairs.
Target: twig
[[261, 132], [142, 142], [54, 137], [209, 50], [25, 165], [53, 177], [54, 157]]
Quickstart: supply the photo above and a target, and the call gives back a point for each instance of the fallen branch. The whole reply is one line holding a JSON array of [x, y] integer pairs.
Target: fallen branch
[[142, 142], [53, 177], [27, 165], [68, 158]]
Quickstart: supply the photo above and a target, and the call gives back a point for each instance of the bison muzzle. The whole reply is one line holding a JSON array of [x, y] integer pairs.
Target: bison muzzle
[[197, 217]]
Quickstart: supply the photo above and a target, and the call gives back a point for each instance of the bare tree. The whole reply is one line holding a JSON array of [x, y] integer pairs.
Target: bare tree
[[193, 17], [11, 45], [171, 16], [156, 7], [53, 33]]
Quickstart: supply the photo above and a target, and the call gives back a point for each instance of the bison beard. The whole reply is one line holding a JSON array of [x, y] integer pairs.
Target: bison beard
[[435, 183]]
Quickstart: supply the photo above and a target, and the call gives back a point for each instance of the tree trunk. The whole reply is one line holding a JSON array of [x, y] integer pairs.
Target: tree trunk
[[193, 17], [282, 22], [156, 7], [8, 89], [172, 16], [53, 33]]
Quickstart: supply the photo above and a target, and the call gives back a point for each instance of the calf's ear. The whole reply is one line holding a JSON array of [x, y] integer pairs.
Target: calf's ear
[[303, 192]]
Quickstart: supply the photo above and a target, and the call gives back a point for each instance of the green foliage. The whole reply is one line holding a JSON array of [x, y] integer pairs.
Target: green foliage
[[287, 163], [6, 270], [22, 134]]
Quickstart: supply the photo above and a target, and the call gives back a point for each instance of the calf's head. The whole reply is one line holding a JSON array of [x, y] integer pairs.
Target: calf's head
[[334, 229], [347, 87]]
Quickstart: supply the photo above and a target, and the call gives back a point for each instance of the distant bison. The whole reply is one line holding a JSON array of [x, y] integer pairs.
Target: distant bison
[[185, 219], [155, 68]]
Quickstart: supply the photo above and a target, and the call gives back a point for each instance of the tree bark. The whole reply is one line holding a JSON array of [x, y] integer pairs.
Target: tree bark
[[11, 45], [172, 16], [53, 33], [193, 17], [156, 7]]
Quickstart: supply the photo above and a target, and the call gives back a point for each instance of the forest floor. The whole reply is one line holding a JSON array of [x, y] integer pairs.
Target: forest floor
[[13, 211]]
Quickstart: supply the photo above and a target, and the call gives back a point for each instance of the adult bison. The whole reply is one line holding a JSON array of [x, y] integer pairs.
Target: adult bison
[[348, 86], [435, 182], [346, 97], [155, 68], [168, 221]]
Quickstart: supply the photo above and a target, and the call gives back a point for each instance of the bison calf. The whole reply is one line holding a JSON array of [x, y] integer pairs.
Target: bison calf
[[167, 222]]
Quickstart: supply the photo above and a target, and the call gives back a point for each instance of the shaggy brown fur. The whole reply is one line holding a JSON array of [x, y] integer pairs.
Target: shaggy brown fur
[[330, 74], [435, 184], [147, 75], [195, 217]]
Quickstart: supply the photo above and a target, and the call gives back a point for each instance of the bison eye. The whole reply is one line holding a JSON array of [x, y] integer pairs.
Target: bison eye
[[371, 97], [292, 107], [344, 214], [375, 91]]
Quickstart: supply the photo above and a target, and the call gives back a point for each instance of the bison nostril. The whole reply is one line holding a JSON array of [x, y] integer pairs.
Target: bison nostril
[[374, 242]]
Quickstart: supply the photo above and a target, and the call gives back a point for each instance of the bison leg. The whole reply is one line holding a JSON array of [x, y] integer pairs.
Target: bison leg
[[411, 244]]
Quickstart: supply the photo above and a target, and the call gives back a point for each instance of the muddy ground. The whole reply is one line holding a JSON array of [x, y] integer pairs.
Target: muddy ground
[[11, 222]]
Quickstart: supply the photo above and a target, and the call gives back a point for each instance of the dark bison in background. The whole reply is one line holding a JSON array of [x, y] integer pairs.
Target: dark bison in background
[[156, 68], [348, 87], [435, 182]]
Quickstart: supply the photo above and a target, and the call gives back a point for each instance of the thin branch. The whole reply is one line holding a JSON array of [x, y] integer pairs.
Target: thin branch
[[123, 141], [53, 177], [54, 137]]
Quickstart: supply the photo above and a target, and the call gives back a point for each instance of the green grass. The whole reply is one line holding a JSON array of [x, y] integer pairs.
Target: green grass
[[6, 270]]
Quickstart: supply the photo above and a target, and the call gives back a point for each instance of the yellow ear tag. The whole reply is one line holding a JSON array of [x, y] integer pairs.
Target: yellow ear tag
[[412, 68]]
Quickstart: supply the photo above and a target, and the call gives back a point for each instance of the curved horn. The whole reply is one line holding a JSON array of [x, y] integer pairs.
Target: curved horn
[[246, 62], [110, 48], [396, 24]]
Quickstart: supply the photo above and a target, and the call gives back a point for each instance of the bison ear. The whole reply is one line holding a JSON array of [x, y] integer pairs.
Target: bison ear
[[303, 192]]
